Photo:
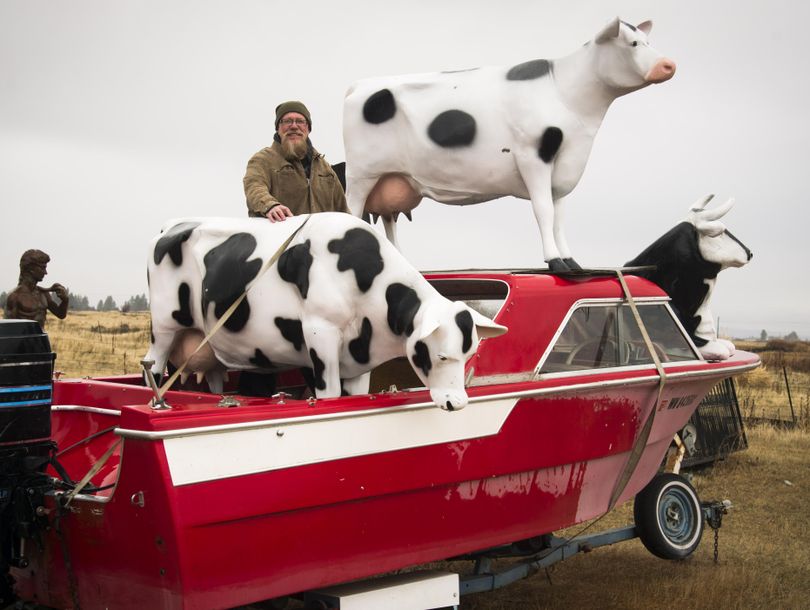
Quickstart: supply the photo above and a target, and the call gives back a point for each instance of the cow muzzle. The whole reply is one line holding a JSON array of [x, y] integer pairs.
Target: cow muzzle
[[663, 70], [449, 400]]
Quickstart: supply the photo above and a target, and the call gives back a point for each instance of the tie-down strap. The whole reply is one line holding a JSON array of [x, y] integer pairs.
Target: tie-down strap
[[644, 434], [228, 312]]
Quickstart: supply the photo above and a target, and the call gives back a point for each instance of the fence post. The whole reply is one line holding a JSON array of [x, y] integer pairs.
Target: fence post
[[790, 399]]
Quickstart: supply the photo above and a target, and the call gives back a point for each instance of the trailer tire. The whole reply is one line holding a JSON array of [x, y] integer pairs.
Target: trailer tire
[[669, 518]]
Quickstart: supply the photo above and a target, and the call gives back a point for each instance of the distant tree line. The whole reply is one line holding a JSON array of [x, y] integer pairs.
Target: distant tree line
[[79, 302], [139, 302], [791, 336]]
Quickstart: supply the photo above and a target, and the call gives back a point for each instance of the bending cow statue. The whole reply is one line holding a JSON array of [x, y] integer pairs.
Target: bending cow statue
[[687, 260], [474, 135], [339, 299]]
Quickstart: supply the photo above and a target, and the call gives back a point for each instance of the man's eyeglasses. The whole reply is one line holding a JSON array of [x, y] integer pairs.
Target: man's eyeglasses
[[297, 122]]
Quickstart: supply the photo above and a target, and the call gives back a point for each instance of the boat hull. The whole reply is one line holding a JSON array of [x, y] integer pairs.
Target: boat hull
[[220, 507]]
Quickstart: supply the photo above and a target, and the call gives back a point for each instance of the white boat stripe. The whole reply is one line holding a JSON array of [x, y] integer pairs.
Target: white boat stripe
[[239, 452]]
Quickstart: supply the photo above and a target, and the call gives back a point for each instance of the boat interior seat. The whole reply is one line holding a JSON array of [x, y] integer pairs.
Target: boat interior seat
[[396, 372]]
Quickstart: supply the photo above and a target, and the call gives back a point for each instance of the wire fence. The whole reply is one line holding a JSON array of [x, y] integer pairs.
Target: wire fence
[[781, 398]]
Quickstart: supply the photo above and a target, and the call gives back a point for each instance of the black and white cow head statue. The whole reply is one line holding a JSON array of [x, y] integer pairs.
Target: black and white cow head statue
[[716, 243], [439, 351], [687, 260]]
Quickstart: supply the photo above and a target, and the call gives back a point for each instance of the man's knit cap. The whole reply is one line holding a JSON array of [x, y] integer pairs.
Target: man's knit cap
[[293, 106]]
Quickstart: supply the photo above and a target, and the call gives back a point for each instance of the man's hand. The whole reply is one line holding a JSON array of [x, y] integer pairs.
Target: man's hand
[[278, 213]]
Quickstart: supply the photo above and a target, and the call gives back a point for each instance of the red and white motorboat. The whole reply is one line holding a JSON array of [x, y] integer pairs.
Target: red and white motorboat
[[220, 501]]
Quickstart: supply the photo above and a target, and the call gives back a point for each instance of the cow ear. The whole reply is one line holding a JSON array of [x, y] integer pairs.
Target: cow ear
[[610, 31], [645, 26], [429, 323], [485, 327]]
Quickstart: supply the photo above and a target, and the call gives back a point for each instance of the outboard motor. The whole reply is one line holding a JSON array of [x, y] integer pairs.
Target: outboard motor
[[26, 386]]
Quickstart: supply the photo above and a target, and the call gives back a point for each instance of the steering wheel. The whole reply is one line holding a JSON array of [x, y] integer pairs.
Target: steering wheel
[[601, 348], [640, 348]]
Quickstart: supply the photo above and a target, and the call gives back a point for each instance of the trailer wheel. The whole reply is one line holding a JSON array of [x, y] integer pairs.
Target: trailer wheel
[[669, 519]]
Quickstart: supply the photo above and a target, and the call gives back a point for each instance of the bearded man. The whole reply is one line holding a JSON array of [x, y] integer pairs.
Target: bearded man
[[291, 177]]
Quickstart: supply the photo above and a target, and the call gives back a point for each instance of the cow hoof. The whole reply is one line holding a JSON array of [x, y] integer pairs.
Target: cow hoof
[[714, 350], [558, 265], [728, 345], [572, 264]]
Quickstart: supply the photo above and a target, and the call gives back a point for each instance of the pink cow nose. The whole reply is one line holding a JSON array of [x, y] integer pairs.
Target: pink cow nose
[[663, 70]]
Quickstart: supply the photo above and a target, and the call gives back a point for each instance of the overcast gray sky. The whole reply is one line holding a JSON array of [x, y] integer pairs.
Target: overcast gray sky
[[116, 116]]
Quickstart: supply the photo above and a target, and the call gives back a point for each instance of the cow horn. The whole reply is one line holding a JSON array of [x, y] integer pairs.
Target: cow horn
[[701, 203], [719, 211]]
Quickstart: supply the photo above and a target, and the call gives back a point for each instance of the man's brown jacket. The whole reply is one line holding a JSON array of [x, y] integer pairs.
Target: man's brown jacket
[[272, 178]]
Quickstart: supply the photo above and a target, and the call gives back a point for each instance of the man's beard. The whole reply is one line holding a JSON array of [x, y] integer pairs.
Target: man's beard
[[294, 148]]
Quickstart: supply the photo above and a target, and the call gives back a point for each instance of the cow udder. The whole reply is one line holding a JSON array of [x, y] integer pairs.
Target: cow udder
[[392, 194]]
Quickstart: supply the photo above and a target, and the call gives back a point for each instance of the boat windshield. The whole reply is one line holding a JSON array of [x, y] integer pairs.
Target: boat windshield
[[607, 335], [484, 296]]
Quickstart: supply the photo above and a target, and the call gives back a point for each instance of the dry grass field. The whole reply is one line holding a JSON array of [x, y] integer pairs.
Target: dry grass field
[[764, 543], [99, 343], [763, 393]]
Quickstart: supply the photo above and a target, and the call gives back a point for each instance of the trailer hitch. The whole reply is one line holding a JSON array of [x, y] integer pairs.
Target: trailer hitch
[[713, 511]]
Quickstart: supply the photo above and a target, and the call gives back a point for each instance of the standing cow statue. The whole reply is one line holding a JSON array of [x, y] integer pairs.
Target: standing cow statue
[[470, 136], [339, 299], [687, 260]]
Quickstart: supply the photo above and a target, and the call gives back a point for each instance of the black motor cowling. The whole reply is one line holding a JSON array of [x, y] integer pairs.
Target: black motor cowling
[[26, 373], [26, 387]]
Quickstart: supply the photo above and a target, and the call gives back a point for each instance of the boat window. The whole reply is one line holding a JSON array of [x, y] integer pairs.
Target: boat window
[[484, 296], [589, 340], [668, 340], [601, 336]]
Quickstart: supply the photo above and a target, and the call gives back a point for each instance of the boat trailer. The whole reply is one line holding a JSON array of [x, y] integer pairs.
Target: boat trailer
[[434, 589]]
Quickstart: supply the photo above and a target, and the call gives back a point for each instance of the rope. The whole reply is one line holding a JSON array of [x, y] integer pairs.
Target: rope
[[165, 387], [644, 434], [90, 474]]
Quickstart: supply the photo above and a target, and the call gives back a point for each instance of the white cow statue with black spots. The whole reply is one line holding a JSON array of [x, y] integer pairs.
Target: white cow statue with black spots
[[687, 259], [469, 136], [339, 299]]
